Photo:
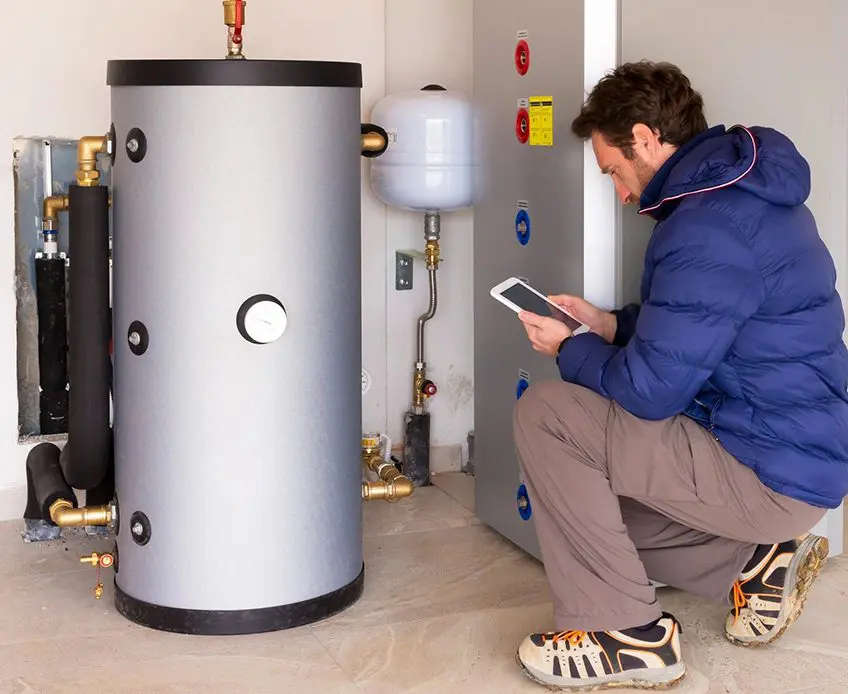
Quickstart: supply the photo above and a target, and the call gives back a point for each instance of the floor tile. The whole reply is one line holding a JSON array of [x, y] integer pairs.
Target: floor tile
[[424, 575], [466, 653], [429, 508], [458, 486], [291, 663]]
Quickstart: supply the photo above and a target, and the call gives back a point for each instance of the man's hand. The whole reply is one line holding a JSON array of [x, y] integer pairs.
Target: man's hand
[[546, 334], [598, 321]]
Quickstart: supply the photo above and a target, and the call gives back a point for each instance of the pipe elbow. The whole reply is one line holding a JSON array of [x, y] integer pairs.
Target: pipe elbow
[[403, 488], [63, 514], [53, 205], [88, 148], [373, 140]]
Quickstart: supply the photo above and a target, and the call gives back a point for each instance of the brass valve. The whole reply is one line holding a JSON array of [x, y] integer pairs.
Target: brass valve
[[234, 18], [99, 561], [422, 387], [103, 561]]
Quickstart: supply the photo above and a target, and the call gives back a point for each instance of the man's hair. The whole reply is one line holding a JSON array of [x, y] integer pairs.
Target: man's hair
[[658, 95]]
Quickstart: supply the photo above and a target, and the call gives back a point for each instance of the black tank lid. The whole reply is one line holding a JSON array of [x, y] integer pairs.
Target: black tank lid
[[232, 73]]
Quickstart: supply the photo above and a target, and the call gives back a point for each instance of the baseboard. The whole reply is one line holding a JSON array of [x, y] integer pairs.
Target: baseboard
[[12, 503], [446, 458], [442, 458]]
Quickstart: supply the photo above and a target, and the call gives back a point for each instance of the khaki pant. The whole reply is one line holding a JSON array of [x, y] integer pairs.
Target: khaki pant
[[617, 500]]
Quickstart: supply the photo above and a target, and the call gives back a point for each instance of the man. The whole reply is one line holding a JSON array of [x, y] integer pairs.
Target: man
[[692, 438]]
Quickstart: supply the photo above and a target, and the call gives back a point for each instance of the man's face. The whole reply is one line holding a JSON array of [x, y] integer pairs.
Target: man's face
[[630, 176]]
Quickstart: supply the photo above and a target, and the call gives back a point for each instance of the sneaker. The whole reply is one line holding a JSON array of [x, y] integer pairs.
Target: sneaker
[[770, 594], [642, 658]]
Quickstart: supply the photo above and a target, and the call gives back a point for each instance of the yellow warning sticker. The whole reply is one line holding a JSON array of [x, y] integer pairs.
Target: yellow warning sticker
[[542, 121]]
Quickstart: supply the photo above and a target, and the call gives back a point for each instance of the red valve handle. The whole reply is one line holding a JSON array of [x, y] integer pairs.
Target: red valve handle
[[239, 21], [429, 388]]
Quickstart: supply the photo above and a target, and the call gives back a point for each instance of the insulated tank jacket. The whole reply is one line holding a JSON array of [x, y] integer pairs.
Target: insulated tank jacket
[[740, 325]]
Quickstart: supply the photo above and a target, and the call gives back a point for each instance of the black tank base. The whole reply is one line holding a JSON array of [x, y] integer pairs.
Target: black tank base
[[416, 448], [239, 622]]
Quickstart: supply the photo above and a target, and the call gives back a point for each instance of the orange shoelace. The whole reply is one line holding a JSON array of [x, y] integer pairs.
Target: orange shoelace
[[573, 637], [739, 600]]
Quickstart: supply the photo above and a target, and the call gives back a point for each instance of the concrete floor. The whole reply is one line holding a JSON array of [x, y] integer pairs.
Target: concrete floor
[[445, 605]]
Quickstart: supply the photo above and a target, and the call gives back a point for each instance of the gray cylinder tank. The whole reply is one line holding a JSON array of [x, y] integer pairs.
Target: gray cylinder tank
[[236, 247]]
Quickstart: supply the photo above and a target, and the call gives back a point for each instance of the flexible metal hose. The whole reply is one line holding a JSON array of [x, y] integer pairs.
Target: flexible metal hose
[[431, 311]]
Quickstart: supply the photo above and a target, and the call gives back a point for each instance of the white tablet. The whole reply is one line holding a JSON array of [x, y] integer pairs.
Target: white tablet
[[519, 296]]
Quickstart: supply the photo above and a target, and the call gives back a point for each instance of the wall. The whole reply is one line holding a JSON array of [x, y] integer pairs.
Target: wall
[[429, 41], [59, 88], [782, 81]]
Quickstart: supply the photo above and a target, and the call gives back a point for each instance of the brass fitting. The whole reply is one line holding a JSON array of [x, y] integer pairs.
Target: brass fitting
[[53, 205], [104, 561], [418, 396], [393, 485], [235, 42], [230, 12], [87, 150], [372, 142], [63, 514], [431, 254]]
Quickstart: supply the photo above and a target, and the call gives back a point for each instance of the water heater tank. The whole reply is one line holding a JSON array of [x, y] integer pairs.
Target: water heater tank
[[428, 164], [237, 321]]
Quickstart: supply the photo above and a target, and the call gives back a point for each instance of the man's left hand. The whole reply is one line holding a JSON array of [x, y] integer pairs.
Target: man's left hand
[[546, 334]]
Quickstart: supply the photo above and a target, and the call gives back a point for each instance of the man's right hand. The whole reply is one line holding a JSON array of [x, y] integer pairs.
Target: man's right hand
[[598, 321]]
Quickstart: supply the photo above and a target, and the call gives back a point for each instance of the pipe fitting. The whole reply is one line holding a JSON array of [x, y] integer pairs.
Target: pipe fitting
[[372, 142], [419, 378], [393, 485], [63, 514], [102, 561], [431, 255], [53, 205], [87, 150]]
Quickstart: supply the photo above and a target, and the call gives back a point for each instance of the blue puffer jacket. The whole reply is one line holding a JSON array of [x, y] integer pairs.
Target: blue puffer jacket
[[740, 325]]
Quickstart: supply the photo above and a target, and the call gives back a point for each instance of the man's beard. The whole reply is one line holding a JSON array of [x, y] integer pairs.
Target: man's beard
[[644, 174]]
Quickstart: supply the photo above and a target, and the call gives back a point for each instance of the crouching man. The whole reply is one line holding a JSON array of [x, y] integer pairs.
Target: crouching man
[[697, 438]]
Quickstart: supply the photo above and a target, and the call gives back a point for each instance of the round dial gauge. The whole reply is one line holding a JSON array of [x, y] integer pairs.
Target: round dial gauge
[[262, 319]]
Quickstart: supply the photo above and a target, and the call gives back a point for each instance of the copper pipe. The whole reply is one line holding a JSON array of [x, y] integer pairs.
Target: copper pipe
[[63, 514]]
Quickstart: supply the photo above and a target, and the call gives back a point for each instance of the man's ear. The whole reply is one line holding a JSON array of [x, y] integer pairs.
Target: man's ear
[[646, 140]]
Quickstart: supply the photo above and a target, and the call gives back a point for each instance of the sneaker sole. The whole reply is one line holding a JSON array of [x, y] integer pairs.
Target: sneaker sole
[[804, 569], [658, 680]]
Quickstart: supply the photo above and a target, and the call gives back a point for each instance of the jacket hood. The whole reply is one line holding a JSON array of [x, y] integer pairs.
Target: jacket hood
[[760, 161]]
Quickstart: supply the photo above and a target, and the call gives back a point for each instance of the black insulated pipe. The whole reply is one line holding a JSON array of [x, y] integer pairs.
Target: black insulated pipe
[[52, 345], [45, 482], [416, 448], [85, 459], [104, 493]]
